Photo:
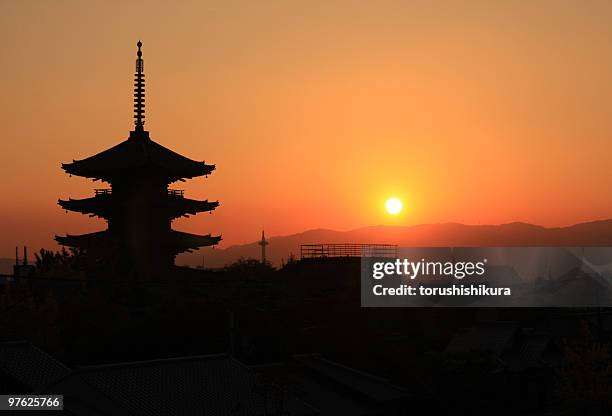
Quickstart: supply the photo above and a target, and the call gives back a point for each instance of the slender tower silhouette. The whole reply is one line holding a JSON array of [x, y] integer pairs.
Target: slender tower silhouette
[[139, 91], [138, 207], [263, 243]]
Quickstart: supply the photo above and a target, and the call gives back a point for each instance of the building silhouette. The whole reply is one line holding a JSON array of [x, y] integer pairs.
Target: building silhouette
[[22, 268], [139, 206]]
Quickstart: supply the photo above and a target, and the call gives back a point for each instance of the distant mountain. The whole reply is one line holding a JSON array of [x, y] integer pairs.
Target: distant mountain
[[596, 233]]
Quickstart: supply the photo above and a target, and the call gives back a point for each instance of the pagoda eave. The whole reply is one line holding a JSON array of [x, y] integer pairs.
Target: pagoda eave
[[101, 206], [85, 241], [182, 242], [185, 207], [96, 206], [137, 155]]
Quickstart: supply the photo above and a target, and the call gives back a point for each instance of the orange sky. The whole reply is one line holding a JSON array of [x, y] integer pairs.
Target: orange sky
[[315, 112]]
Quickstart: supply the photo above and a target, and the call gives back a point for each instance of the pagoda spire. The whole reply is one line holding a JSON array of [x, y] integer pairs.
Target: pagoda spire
[[139, 94]]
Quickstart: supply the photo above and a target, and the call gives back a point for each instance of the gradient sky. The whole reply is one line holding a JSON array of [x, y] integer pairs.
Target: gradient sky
[[315, 112]]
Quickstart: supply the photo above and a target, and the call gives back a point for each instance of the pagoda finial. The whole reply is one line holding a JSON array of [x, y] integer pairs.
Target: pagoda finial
[[139, 91]]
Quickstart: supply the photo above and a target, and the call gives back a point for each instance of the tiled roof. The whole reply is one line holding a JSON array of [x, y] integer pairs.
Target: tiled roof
[[211, 385], [376, 388], [30, 365]]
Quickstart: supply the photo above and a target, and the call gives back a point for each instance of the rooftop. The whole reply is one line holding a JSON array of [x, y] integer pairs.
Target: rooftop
[[137, 154]]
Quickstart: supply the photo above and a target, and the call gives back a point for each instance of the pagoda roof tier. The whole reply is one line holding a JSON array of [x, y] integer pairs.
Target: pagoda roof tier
[[85, 241], [183, 207], [136, 153], [102, 204], [189, 242], [178, 241]]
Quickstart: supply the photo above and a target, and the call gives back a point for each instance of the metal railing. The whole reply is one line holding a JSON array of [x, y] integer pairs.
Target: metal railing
[[180, 193], [172, 192], [314, 251]]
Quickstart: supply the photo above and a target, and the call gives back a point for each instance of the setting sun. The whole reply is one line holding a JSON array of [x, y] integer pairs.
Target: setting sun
[[394, 206]]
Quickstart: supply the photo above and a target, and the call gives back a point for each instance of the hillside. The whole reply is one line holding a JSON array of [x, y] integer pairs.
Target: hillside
[[596, 233]]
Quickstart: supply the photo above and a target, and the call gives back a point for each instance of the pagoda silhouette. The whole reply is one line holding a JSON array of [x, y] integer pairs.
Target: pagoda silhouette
[[139, 207]]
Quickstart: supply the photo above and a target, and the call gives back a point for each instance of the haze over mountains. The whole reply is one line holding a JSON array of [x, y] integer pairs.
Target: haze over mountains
[[595, 233]]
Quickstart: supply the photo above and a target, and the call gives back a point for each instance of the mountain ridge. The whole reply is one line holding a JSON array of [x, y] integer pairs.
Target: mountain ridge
[[590, 233]]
